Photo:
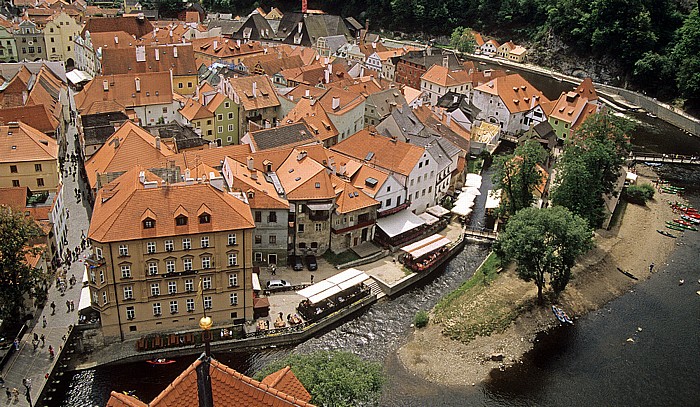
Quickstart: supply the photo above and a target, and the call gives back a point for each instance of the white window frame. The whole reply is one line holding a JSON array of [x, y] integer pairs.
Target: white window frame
[[155, 289], [186, 243], [152, 268], [233, 298], [204, 241], [231, 239], [189, 304], [130, 313], [123, 250], [206, 262], [157, 310], [128, 292], [187, 264], [232, 259], [233, 280], [189, 285], [170, 266], [169, 246], [173, 307], [172, 287], [126, 270], [208, 302], [206, 283], [151, 247]]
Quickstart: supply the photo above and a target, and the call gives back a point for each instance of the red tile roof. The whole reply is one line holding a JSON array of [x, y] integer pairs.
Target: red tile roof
[[515, 92], [24, 143], [123, 60], [132, 25], [155, 89]]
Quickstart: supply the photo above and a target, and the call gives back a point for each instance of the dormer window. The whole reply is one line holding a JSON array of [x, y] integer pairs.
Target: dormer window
[[205, 218], [251, 194], [181, 220], [149, 223]]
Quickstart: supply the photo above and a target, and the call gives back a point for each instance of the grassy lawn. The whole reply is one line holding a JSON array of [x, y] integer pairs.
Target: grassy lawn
[[488, 302], [341, 258], [474, 165]]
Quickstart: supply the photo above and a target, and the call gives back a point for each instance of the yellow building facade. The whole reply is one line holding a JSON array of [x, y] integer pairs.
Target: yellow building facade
[[28, 158]]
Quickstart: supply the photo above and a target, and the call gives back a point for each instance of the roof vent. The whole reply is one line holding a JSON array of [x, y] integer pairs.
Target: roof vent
[[317, 185], [297, 179]]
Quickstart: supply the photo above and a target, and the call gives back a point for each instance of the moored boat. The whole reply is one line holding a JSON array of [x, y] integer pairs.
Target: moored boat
[[160, 361], [561, 315], [665, 233], [691, 219], [674, 227], [683, 222], [678, 225]]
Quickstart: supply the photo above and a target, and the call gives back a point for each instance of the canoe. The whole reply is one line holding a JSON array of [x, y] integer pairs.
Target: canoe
[[627, 273], [156, 362], [561, 315], [690, 219], [673, 227], [683, 222], [684, 227], [665, 233]]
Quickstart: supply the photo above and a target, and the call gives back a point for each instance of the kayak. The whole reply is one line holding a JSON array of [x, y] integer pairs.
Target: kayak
[[683, 222], [690, 219], [669, 223], [561, 315], [160, 361], [674, 227], [665, 233]]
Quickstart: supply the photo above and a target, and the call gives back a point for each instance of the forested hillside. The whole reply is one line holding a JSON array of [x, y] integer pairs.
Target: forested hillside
[[653, 45]]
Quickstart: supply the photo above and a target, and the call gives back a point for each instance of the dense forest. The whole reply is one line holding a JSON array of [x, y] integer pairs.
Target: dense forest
[[654, 45]]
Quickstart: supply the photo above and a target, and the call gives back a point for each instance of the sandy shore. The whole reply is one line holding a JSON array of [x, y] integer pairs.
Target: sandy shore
[[631, 246]]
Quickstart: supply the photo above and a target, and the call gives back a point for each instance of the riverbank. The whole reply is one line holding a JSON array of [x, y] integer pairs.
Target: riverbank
[[630, 246]]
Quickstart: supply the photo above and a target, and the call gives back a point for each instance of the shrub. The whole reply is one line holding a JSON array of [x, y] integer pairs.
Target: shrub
[[639, 194], [421, 319]]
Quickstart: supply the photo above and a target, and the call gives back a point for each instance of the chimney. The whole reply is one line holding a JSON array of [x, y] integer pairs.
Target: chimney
[[158, 143], [157, 54], [446, 61], [341, 171], [116, 40], [251, 167], [325, 61], [255, 88], [138, 84], [142, 177], [326, 76], [301, 155], [330, 68], [216, 44], [336, 103], [448, 119], [307, 93], [105, 85], [253, 174], [238, 43], [175, 52]]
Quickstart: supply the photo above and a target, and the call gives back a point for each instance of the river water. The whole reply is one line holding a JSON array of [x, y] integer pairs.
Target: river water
[[590, 363]]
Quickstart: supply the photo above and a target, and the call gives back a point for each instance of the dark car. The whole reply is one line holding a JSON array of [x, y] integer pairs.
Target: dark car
[[311, 262], [296, 263]]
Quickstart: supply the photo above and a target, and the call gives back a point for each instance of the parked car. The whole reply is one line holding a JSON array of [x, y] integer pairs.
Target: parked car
[[273, 285], [296, 263], [311, 262]]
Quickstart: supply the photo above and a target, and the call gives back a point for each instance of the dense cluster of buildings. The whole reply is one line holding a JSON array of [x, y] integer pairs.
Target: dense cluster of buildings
[[216, 144]]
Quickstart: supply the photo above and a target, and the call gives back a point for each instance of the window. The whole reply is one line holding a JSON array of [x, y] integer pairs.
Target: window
[[258, 256], [232, 259], [204, 241], [417, 194], [411, 182], [227, 104], [207, 302], [189, 285], [430, 189], [219, 117], [420, 164], [151, 247], [208, 122], [234, 298], [220, 129], [302, 245], [206, 283], [156, 309], [155, 289], [15, 182], [181, 220], [37, 167], [31, 50], [123, 250], [104, 297], [130, 314], [206, 262], [300, 228], [233, 280], [190, 304], [40, 182], [180, 85], [205, 218], [172, 287], [187, 263], [273, 239], [186, 243], [189, 84], [173, 307], [126, 271], [13, 169], [169, 246], [152, 268], [258, 239], [231, 239], [427, 162], [165, 110], [230, 128], [102, 276], [314, 245], [272, 218], [230, 116], [170, 266], [423, 193], [128, 293], [318, 227], [258, 216]]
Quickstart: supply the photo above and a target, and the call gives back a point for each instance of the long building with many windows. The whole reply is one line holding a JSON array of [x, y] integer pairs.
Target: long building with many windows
[[163, 253]]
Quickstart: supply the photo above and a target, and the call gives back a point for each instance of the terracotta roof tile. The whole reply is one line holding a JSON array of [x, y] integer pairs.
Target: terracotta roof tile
[[122, 400], [349, 198], [264, 194], [587, 90], [264, 97], [444, 77], [156, 88], [303, 177], [365, 172], [285, 135], [193, 110], [24, 143], [515, 92], [391, 155], [313, 115], [121, 204], [36, 116], [348, 101], [123, 60], [224, 48], [131, 25], [112, 40]]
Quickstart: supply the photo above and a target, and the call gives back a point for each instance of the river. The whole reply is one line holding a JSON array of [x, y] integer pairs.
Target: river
[[588, 364]]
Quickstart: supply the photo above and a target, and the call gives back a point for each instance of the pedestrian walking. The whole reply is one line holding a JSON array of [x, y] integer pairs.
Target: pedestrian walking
[[27, 384], [68, 305], [16, 342], [72, 305], [312, 279], [43, 340], [36, 336], [8, 393], [53, 308], [43, 320], [15, 394], [51, 352], [651, 267]]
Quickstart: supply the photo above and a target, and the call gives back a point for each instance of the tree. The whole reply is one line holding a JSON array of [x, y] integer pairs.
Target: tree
[[518, 175], [544, 242], [462, 40], [334, 378], [17, 277], [686, 56]]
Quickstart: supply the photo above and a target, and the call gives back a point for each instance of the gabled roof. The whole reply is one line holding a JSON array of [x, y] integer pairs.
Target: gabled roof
[[129, 146], [124, 60], [515, 92], [442, 76], [304, 178], [349, 198], [273, 66], [264, 194], [223, 48], [568, 107], [132, 25], [21, 142], [264, 97], [36, 116], [386, 153], [193, 110], [315, 118], [347, 100], [286, 135], [122, 205], [155, 89], [212, 156], [364, 173], [587, 90], [508, 46]]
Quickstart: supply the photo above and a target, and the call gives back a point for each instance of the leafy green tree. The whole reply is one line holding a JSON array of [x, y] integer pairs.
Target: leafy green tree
[[544, 242], [17, 277], [338, 379], [517, 175], [463, 40], [686, 56]]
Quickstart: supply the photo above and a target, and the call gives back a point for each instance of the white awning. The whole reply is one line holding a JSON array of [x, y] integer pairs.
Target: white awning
[[471, 190], [256, 282], [473, 180], [632, 177], [323, 295], [353, 281], [493, 199], [428, 218], [333, 285], [399, 223], [437, 210], [320, 207], [76, 76], [85, 301], [422, 243], [463, 207], [344, 276], [312, 290]]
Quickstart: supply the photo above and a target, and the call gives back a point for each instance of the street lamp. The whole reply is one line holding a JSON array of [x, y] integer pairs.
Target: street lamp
[[206, 323]]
